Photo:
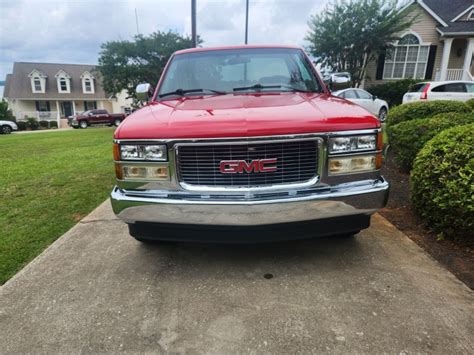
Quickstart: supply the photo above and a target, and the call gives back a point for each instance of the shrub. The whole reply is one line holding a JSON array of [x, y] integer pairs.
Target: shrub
[[22, 125], [424, 109], [407, 138], [53, 124], [43, 124], [442, 183], [393, 91], [32, 123], [470, 103], [5, 113]]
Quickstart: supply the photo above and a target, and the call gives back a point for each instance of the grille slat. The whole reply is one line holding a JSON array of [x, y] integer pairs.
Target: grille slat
[[297, 162]]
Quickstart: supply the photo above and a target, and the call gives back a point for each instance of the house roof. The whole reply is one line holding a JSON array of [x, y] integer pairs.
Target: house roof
[[444, 12], [18, 84], [448, 10], [6, 90], [458, 28]]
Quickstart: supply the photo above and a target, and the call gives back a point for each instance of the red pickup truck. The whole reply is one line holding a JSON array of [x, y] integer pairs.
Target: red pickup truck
[[246, 144], [93, 117]]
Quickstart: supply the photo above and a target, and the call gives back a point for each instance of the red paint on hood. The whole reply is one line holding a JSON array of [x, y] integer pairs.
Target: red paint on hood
[[245, 115]]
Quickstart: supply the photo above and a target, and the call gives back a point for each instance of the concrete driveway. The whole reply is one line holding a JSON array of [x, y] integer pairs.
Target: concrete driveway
[[98, 290]]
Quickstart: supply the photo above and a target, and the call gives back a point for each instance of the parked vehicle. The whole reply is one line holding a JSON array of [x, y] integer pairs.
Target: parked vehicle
[[93, 117], [440, 90], [7, 127], [371, 103], [246, 143]]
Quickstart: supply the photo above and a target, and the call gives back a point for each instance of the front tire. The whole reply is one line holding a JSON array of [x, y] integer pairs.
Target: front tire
[[6, 130], [83, 124], [383, 114]]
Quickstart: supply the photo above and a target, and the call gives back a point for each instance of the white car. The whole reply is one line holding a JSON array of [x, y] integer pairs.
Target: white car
[[371, 103], [6, 127], [440, 90]]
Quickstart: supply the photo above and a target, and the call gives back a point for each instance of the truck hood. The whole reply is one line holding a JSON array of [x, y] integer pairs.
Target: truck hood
[[244, 115]]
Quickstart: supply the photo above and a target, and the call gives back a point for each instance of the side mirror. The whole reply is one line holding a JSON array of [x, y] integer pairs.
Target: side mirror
[[374, 97], [340, 81], [144, 92]]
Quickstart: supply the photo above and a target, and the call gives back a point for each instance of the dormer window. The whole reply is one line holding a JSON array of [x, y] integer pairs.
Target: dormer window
[[87, 83], [37, 85], [64, 82], [38, 81]]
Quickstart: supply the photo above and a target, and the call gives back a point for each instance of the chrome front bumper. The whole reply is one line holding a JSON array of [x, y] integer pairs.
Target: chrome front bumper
[[320, 203]]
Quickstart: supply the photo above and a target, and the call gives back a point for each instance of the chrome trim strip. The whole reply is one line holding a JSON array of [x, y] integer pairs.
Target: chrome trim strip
[[273, 188], [257, 138]]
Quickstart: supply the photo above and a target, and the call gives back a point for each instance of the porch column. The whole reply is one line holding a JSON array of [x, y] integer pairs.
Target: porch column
[[468, 57], [73, 108], [445, 58], [58, 114]]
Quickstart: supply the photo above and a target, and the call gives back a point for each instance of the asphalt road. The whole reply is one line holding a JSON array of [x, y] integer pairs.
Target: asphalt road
[[98, 290]]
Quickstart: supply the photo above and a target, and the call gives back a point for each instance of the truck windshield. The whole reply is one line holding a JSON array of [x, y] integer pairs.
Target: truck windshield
[[247, 70]]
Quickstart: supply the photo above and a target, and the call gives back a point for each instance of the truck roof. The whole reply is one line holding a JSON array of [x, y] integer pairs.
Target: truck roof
[[242, 46]]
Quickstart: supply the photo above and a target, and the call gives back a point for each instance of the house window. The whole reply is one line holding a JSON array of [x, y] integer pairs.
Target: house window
[[407, 59], [42, 106], [63, 85], [37, 84], [87, 85], [90, 105]]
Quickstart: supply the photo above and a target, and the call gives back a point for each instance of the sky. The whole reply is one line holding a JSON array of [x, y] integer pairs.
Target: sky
[[71, 31]]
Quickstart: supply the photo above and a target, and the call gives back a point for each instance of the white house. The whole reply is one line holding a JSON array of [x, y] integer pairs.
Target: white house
[[48, 91]]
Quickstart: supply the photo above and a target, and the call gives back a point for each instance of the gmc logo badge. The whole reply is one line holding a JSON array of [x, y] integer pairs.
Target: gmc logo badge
[[242, 166]]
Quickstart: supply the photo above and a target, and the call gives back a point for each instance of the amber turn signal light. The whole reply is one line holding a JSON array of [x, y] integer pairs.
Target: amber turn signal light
[[380, 140], [116, 153]]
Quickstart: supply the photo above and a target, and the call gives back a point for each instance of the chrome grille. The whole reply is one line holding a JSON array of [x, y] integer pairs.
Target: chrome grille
[[297, 162]]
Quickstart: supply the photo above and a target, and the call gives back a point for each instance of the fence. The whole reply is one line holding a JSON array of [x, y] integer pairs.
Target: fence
[[39, 115]]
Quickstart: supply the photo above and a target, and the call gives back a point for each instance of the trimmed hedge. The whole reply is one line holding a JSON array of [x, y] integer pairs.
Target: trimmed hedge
[[470, 103], [424, 109], [53, 124], [44, 124], [442, 183], [32, 123], [392, 91], [22, 125], [407, 138]]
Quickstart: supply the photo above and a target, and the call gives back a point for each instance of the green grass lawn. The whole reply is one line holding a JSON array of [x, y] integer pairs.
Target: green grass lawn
[[48, 182]]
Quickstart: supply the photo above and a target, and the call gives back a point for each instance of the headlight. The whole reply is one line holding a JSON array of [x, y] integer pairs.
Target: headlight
[[143, 152], [352, 144], [354, 164]]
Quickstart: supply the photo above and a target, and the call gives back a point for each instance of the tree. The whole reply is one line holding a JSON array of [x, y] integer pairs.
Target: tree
[[125, 64], [348, 35], [5, 113]]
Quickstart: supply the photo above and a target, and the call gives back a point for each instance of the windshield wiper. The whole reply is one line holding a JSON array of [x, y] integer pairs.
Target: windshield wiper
[[260, 87], [181, 92]]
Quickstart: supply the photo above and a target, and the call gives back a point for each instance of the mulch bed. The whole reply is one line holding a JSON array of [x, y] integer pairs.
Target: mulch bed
[[457, 257]]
